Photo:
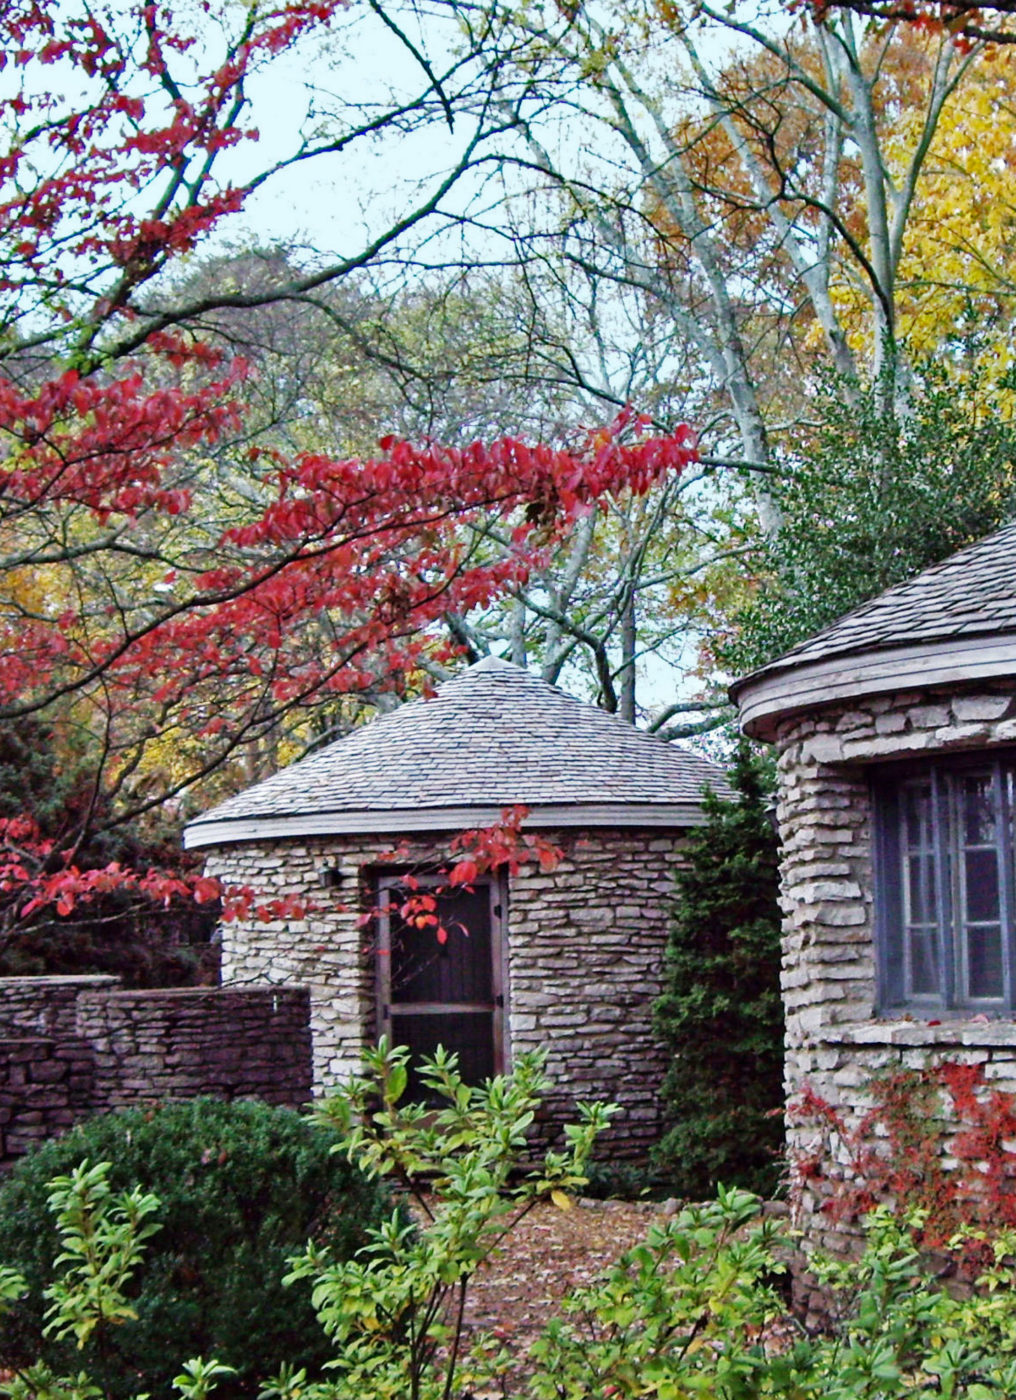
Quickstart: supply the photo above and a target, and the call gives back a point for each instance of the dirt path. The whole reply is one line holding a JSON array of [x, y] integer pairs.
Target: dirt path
[[550, 1252]]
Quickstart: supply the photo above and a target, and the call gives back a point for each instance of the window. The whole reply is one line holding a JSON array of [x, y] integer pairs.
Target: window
[[450, 992], [944, 886]]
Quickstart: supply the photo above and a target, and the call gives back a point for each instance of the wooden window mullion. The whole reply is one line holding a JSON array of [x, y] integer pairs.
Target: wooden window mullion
[[1007, 895], [945, 876]]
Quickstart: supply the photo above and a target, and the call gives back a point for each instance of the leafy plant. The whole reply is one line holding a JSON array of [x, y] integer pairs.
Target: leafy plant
[[720, 1014], [395, 1312], [677, 1315], [692, 1312], [103, 1237], [689, 1313], [243, 1186]]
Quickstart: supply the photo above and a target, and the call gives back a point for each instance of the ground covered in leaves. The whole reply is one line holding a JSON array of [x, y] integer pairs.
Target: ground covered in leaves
[[550, 1252]]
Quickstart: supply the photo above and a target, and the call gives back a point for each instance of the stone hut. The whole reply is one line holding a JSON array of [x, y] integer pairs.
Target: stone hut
[[567, 959], [895, 729]]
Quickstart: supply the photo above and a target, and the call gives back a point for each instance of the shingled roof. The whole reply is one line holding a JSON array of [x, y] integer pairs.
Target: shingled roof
[[954, 621], [492, 737]]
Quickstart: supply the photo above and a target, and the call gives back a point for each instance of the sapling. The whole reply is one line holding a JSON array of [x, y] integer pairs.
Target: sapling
[[396, 1312]]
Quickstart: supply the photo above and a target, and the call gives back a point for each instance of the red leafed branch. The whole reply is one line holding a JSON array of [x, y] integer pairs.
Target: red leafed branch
[[166, 600], [968, 23], [502, 846], [936, 1141]]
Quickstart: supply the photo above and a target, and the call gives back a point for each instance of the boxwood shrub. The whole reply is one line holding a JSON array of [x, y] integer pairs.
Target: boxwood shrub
[[243, 1186]]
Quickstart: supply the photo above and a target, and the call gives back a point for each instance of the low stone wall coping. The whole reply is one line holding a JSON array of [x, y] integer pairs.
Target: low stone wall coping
[[78, 979], [921, 1033], [153, 996]]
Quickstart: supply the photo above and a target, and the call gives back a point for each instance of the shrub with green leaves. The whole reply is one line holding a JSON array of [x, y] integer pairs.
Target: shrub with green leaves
[[242, 1187], [692, 1313], [396, 1313]]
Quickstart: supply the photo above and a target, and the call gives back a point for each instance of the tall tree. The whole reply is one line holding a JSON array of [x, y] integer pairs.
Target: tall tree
[[720, 1014], [870, 499], [737, 176]]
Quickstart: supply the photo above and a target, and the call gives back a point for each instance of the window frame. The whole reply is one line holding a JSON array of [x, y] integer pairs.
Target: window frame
[[952, 943]]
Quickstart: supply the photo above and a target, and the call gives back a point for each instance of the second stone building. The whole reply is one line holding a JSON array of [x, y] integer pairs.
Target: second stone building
[[568, 959]]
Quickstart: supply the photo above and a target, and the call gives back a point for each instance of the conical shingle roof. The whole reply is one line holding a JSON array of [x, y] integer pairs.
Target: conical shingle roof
[[954, 621], [492, 737]]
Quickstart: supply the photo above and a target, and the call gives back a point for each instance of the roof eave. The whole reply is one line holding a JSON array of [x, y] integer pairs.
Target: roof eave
[[768, 696], [229, 831]]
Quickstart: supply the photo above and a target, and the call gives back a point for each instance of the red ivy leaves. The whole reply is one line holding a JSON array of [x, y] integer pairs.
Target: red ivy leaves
[[896, 1152]]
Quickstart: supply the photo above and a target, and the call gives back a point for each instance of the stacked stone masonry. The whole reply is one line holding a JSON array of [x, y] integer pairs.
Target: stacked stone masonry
[[585, 947], [835, 1041], [73, 1046]]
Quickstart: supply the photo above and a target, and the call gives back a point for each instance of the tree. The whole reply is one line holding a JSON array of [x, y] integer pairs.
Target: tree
[[452, 358], [870, 501], [720, 1014], [736, 194], [155, 597]]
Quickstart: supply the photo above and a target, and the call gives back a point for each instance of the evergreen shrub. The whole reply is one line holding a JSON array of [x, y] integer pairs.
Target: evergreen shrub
[[721, 1013], [242, 1187]]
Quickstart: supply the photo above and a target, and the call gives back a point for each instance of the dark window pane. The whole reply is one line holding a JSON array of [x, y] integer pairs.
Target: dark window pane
[[984, 961], [469, 1034], [981, 881], [917, 816], [978, 809], [923, 947], [460, 969], [920, 902]]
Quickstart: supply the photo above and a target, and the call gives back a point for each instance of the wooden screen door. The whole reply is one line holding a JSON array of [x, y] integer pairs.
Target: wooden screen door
[[449, 994]]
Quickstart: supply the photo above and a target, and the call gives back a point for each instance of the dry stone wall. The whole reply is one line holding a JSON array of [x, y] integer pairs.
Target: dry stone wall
[[73, 1046], [835, 1041], [585, 946]]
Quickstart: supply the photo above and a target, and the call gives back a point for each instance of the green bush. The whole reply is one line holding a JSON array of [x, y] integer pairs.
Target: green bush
[[721, 1015], [242, 1187]]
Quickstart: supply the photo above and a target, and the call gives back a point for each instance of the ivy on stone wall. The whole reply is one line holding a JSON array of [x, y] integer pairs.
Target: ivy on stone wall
[[721, 1014]]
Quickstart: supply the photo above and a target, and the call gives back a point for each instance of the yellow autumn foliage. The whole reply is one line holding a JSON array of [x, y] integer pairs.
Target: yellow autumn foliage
[[957, 273]]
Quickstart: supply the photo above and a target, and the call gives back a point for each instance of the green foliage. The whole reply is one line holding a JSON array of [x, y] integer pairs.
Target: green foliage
[[690, 1313], [874, 496], [721, 1014], [243, 1186], [102, 1239], [395, 1312], [677, 1316]]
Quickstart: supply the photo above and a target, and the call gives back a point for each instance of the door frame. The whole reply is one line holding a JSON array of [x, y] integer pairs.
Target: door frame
[[496, 884]]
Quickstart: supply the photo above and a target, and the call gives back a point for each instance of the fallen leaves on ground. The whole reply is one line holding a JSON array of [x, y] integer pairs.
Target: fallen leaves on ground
[[550, 1252]]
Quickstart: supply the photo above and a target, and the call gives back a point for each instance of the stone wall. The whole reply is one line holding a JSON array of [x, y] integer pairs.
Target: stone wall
[[186, 1041], [834, 1039], [73, 1046], [585, 945]]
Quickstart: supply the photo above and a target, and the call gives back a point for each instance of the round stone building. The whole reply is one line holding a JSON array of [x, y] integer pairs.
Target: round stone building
[[567, 959], [895, 730]]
